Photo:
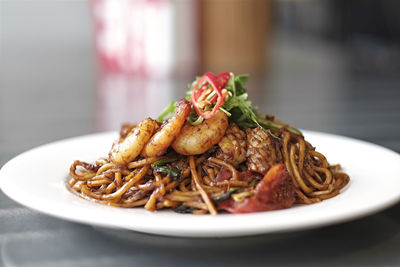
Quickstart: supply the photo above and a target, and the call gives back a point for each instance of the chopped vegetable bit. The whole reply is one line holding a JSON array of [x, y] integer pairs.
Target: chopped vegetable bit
[[225, 196], [167, 112], [273, 125], [164, 161], [195, 119], [239, 197], [171, 171], [183, 209]]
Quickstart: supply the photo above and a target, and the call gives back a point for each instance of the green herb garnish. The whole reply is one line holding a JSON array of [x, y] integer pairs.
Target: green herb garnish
[[171, 171], [242, 111], [225, 196], [238, 107], [193, 118], [164, 161], [168, 112], [276, 126], [183, 209]]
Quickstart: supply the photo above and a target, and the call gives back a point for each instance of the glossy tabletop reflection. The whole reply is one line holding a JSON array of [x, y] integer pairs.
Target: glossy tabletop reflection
[[50, 89]]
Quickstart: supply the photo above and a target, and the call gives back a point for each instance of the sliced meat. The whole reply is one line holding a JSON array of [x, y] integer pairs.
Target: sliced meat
[[274, 191], [223, 175], [226, 174]]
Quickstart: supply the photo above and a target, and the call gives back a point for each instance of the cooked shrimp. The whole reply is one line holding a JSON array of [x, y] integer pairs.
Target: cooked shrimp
[[194, 140], [127, 149], [163, 138]]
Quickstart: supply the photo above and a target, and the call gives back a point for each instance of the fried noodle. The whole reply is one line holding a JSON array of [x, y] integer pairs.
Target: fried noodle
[[197, 190]]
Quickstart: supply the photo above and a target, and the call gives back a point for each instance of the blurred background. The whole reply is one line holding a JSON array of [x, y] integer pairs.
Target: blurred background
[[312, 63]]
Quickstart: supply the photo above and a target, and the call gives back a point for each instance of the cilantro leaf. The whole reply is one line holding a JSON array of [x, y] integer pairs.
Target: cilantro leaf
[[239, 105]]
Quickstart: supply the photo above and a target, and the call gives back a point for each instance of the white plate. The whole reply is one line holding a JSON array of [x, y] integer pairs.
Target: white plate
[[37, 178]]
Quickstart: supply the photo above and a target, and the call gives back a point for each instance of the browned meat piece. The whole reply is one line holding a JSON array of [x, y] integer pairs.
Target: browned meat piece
[[233, 145], [275, 191], [262, 150]]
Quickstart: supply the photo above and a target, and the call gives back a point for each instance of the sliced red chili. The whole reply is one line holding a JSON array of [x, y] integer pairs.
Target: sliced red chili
[[201, 90], [223, 79]]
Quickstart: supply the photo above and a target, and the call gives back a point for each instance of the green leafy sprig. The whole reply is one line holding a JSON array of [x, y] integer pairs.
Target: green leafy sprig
[[238, 107]]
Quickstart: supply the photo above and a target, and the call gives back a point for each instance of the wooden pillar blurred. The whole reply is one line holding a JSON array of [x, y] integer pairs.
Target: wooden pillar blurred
[[234, 35]]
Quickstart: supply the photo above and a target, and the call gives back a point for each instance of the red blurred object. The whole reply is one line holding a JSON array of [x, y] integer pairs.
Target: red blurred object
[[144, 49], [134, 36], [146, 37]]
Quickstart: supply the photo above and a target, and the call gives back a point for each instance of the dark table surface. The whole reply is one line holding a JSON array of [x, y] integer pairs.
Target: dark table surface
[[49, 90]]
